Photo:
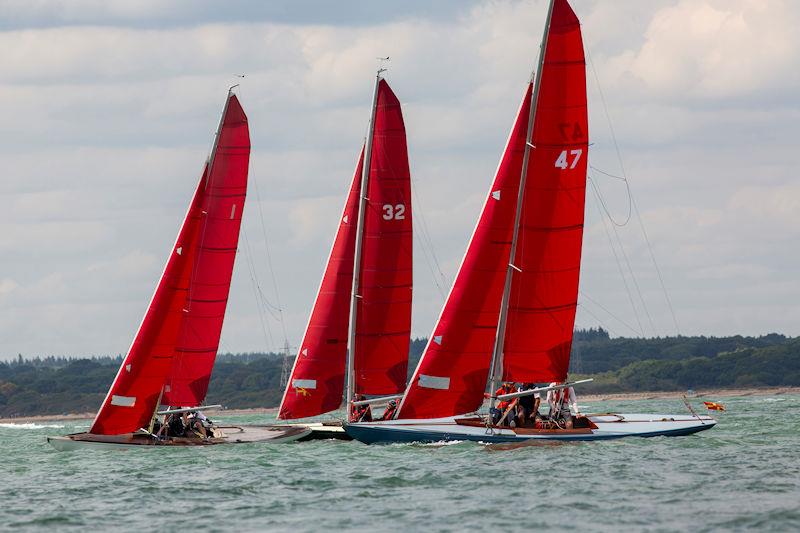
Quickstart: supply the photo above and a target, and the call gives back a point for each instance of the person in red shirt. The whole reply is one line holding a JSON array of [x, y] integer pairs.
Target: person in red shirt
[[361, 413], [505, 405]]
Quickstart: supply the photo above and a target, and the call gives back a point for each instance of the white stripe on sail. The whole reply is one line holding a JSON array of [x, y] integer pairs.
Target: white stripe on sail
[[433, 382], [304, 383], [123, 401]]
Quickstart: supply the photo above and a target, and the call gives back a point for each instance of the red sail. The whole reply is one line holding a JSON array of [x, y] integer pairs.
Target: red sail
[[134, 395], [544, 292], [223, 204], [383, 325], [317, 381], [451, 376]]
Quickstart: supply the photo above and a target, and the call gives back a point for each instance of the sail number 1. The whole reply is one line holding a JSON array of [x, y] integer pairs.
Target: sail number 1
[[394, 212], [562, 161]]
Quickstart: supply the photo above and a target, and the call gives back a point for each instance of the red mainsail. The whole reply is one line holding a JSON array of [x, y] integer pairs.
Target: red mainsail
[[451, 376], [141, 379], [544, 292], [207, 298], [383, 325], [317, 380]]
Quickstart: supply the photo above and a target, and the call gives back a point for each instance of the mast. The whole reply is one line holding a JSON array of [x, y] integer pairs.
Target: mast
[[213, 153], [496, 366], [351, 341]]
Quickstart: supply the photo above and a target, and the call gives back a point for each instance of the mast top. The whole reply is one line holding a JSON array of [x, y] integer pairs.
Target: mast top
[[381, 62]]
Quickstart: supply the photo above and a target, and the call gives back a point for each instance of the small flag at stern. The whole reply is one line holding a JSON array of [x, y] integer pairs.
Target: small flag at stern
[[714, 406]]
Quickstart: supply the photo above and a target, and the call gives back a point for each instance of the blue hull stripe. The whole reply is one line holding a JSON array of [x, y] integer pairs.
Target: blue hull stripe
[[386, 435]]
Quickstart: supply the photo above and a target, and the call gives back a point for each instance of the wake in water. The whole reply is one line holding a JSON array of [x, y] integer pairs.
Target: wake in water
[[30, 425]]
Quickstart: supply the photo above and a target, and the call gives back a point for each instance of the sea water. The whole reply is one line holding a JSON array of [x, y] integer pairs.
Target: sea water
[[742, 474]]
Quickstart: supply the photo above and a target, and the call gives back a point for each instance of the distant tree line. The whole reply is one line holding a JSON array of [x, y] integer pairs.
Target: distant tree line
[[56, 384]]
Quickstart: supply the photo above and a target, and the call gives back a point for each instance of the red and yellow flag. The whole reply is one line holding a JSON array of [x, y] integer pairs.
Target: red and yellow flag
[[714, 406]]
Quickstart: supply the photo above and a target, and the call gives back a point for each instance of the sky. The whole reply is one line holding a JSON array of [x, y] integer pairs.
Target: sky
[[109, 109]]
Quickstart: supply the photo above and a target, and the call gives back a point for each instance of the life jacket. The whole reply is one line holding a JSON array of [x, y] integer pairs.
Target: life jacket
[[389, 413], [504, 389], [561, 397]]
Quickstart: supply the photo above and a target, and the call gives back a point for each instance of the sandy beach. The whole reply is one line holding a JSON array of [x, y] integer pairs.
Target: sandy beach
[[709, 394]]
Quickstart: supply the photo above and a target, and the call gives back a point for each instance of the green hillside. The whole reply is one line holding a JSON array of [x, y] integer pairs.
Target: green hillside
[[56, 385]]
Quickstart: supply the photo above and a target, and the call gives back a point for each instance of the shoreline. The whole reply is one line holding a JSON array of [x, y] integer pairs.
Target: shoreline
[[623, 396]]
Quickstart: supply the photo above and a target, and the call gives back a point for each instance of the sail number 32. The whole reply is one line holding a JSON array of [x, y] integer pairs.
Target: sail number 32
[[563, 159], [394, 212]]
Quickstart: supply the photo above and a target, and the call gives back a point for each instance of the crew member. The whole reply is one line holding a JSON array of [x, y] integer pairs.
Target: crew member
[[505, 407], [391, 409], [197, 422], [560, 401], [528, 407], [361, 413]]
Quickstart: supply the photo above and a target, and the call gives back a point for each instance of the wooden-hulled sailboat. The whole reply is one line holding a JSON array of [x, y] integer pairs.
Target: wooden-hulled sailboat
[[357, 339], [510, 314], [172, 355]]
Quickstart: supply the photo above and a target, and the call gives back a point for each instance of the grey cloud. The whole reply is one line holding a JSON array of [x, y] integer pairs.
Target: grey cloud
[[103, 141]]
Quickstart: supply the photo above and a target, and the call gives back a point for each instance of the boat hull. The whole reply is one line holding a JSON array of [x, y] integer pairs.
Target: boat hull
[[232, 435], [325, 431], [603, 427]]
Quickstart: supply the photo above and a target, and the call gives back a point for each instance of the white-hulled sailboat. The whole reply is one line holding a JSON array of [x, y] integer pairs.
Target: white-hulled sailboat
[[171, 358], [511, 311]]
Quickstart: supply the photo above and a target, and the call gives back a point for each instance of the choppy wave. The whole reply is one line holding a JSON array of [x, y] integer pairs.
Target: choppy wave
[[741, 474], [29, 425]]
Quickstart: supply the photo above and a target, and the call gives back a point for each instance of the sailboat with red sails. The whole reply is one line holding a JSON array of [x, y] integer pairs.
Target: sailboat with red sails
[[172, 355], [511, 311], [357, 338]]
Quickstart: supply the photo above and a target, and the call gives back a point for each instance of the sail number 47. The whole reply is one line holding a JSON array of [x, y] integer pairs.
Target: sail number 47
[[394, 212], [562, 161]]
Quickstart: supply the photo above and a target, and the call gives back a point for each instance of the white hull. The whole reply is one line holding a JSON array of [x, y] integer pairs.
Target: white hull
[[325, 431], [232, 435], [603, 426]]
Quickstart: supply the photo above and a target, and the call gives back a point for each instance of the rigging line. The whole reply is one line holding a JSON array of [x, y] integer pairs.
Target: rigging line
[[426, 232], [603, 202], [429, 265], [621, 178], [608, 116], [630, 270], [269, 262], [658, 270], [598, 320], [427, 248], [633, 200], [256, 290], [612, 315], [619, 265]]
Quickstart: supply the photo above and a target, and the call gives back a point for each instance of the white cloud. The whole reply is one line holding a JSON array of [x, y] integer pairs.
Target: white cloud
[[107, 120]]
